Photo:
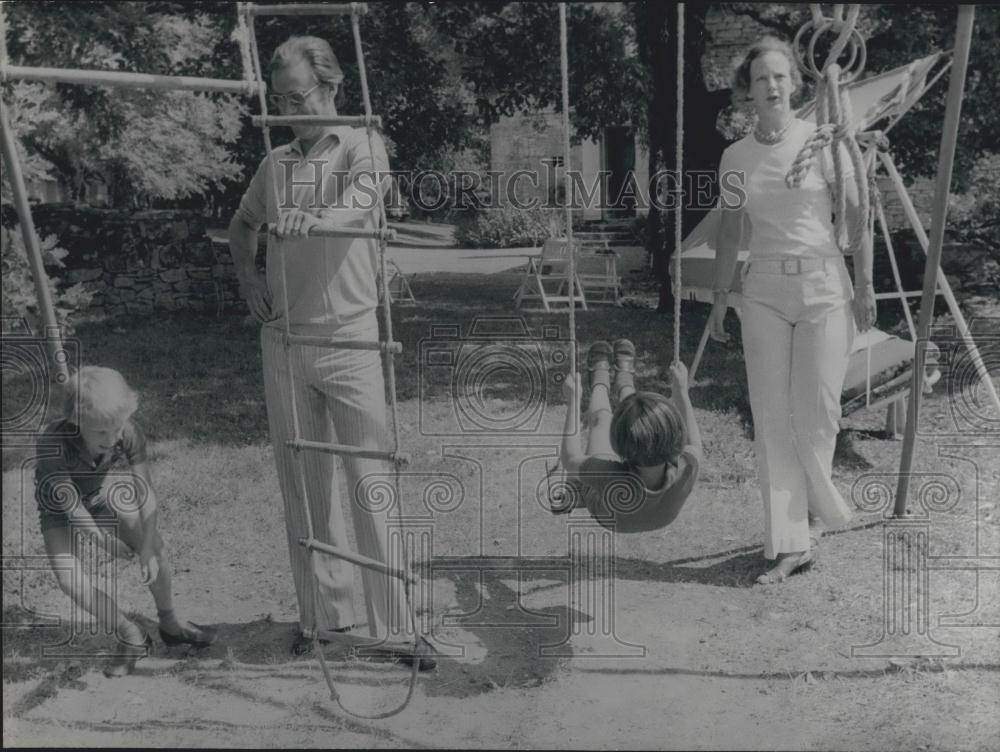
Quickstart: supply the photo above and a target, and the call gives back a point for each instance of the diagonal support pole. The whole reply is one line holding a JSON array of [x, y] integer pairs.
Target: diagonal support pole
[[946, 158], [12, 166]]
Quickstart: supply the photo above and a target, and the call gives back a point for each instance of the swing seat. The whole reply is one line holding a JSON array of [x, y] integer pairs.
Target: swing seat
[[617, 499], [624, 506], [891, 369]]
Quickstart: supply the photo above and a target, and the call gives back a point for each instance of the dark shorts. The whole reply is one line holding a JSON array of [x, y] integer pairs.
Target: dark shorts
[[49, 518]]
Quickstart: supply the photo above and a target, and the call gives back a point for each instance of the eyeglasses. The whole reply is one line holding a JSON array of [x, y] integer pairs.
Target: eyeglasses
[[294, 98]]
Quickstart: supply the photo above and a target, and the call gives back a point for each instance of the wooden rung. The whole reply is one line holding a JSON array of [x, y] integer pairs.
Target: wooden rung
[[362, 561], [357, 121], [343, 344], [308, 9], [343, 232], [401, 458]]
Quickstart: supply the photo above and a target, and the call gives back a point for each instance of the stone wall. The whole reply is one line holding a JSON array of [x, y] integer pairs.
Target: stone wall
[[140, 261]]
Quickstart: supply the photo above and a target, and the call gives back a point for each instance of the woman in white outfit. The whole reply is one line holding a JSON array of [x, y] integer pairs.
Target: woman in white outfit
[[800, 307]]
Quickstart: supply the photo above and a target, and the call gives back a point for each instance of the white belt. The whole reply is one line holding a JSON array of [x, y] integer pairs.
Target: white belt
[[789, 266]]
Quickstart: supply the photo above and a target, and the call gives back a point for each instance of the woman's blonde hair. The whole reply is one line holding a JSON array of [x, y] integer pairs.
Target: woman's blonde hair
[[315, 51], [99, 395], [647, 430], [740, 81]]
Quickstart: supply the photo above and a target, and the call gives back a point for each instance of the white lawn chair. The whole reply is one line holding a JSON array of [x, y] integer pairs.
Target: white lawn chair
[[546, 280]]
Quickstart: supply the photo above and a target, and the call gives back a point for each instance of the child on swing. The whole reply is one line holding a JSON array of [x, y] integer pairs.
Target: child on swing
[[642, 460]]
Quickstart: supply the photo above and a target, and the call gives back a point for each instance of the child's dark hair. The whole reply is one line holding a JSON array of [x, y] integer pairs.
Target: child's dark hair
[[647, 430]]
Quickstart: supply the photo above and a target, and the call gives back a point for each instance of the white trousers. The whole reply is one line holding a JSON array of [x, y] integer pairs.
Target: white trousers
[[798, 330], [340, 397]]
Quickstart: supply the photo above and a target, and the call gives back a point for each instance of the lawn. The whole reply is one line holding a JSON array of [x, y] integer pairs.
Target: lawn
[[666, 644]]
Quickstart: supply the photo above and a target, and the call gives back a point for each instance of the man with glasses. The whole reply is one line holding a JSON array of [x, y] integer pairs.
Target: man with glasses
[[328, 177]]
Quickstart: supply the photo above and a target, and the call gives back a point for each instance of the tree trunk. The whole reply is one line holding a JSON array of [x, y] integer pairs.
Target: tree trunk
[[653, 51], [703, 145]]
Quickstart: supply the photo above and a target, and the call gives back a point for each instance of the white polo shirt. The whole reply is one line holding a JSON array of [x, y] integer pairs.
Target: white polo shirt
[[330, 281]]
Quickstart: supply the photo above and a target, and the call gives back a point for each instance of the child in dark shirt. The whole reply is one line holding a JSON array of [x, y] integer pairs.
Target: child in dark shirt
[[642, 460], [91, 478]]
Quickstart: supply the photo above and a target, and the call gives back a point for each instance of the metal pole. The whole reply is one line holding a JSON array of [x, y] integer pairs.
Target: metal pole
[[12, 165], [567, 155], [946, 156], [308, 9], [126, 80]]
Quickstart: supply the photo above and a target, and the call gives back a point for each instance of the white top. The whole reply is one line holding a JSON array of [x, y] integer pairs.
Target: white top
[[330, 281], [785, 221]]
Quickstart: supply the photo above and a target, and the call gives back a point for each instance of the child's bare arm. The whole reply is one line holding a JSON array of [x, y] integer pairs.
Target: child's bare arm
[[148, 514], [571, 455]]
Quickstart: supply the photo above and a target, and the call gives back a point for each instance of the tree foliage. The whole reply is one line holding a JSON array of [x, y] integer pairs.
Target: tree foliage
[[439, 74], [19, 299], [509, 55], [144, 145]]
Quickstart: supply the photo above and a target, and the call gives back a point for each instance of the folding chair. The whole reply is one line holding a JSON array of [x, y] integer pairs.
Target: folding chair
[[597, 266], [546, 279], [399, 286]]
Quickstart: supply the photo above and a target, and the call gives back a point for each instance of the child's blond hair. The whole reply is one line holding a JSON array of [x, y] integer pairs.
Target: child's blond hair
[[99, 395], [647, 430]]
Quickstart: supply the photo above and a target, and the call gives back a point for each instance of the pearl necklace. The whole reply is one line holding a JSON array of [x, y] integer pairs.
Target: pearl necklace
[[772, 137]]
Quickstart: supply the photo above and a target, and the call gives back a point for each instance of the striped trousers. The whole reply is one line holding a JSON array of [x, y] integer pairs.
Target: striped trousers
[[340, 397]]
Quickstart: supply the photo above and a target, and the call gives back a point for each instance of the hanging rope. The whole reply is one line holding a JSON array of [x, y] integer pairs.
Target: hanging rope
[[281, 251], [242, 35], [834, 117], [382, 224], [564, 73], [679, 161]]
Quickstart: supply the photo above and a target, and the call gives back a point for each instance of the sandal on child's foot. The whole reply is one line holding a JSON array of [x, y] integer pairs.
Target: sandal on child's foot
[[624, 356], [599, 364], [624, 366], [788, 566], [193, 634], [123, 664], [599, 356]]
